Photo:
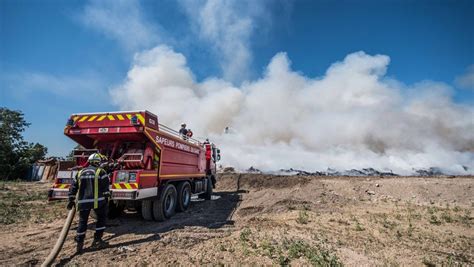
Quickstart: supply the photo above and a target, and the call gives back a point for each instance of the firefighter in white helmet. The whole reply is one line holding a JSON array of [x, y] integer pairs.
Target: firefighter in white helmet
[[90, 190]]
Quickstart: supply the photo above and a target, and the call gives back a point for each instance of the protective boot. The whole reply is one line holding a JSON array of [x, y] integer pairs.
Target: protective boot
[[98, 242], [79, 247], [79, 244]]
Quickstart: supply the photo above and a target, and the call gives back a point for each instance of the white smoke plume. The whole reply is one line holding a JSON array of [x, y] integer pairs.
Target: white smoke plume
[[466, 81], [351, 117], [121, 20], [227, 26]]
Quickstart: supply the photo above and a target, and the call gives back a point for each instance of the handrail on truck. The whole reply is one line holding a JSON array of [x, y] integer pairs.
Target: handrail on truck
[[175, 133]]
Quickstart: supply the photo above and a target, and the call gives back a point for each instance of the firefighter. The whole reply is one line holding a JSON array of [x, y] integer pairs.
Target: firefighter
[[92, 189], [183, 131]]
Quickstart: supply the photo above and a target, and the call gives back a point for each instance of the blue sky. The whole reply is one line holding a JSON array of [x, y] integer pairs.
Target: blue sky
[[61, 57]]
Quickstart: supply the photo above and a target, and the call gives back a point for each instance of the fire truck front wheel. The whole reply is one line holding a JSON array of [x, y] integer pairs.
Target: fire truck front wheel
[[165, 206], [184, 196]]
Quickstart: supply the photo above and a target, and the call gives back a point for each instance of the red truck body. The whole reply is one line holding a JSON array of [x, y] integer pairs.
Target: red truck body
[[149, 157]]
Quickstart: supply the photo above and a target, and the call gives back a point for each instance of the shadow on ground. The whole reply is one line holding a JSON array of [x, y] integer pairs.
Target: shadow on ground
[[212, 214]]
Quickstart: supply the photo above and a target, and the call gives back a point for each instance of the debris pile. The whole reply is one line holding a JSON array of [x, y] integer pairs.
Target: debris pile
[[253, 170], [432, 171]]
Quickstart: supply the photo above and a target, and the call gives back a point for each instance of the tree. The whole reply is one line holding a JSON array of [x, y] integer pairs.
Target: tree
[[16, 155]]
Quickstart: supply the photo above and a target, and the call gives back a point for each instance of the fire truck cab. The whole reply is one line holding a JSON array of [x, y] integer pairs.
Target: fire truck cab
[[152, 169]]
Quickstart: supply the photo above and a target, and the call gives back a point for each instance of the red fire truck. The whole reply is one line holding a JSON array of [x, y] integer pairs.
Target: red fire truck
[[153, 170]]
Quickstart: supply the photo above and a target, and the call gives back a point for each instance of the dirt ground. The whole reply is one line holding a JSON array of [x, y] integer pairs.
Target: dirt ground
[[265, 220]]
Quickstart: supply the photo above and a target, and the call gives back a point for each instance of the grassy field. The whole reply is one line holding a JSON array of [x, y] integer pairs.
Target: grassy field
[[23, 202]]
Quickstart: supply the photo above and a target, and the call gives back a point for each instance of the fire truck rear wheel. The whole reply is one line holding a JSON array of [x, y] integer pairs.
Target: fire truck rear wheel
[[184, 196], [147, 210], [165, 206]]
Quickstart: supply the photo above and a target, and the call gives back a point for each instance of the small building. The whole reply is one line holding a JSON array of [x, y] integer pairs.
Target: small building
[[48, 169], [44, 170]]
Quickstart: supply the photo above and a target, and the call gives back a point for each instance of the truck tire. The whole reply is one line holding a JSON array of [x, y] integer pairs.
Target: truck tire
[[165, 206], [147, 209], [184, 196], [208, 194]]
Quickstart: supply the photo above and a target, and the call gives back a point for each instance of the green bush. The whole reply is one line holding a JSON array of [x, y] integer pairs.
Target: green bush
[[245, 234], [303, 217]]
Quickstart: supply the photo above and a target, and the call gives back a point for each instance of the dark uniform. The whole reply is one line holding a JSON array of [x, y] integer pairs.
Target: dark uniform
[[183, 131], [92, 189]]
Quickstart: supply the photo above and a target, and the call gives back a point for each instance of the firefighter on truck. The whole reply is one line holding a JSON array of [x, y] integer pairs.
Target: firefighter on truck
[[90, 190]]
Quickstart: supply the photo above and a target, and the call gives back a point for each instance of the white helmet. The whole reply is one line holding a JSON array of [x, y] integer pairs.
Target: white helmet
[[183, 124], [95, 157]]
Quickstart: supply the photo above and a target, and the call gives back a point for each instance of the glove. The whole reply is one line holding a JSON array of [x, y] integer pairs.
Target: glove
[[70, 205], [107, 194]]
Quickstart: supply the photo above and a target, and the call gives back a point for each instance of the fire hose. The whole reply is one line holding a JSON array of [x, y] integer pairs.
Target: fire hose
[[60, 242]]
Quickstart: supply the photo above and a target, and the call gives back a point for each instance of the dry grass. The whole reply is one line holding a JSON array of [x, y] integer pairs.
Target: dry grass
[[26, 202]]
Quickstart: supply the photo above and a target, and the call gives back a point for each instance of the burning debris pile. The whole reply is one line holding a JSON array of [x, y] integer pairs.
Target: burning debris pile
[[433, 171], [331, 172]]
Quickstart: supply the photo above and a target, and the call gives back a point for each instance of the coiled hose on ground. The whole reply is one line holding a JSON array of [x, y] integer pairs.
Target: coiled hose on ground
[[60, 242]]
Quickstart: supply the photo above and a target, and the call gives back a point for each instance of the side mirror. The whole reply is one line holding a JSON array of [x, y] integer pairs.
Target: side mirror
[[218, 154]]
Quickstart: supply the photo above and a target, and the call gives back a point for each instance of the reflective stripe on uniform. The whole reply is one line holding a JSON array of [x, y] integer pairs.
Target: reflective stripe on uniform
[[93, 177], [83, 233], [90, 200], [100, 228], [96, 188], [78, 179], [85, 177]]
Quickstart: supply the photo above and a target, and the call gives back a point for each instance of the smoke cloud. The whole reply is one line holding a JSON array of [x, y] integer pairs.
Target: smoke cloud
[[466, 81], [227, 26], [353, 116], [109, 17]]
